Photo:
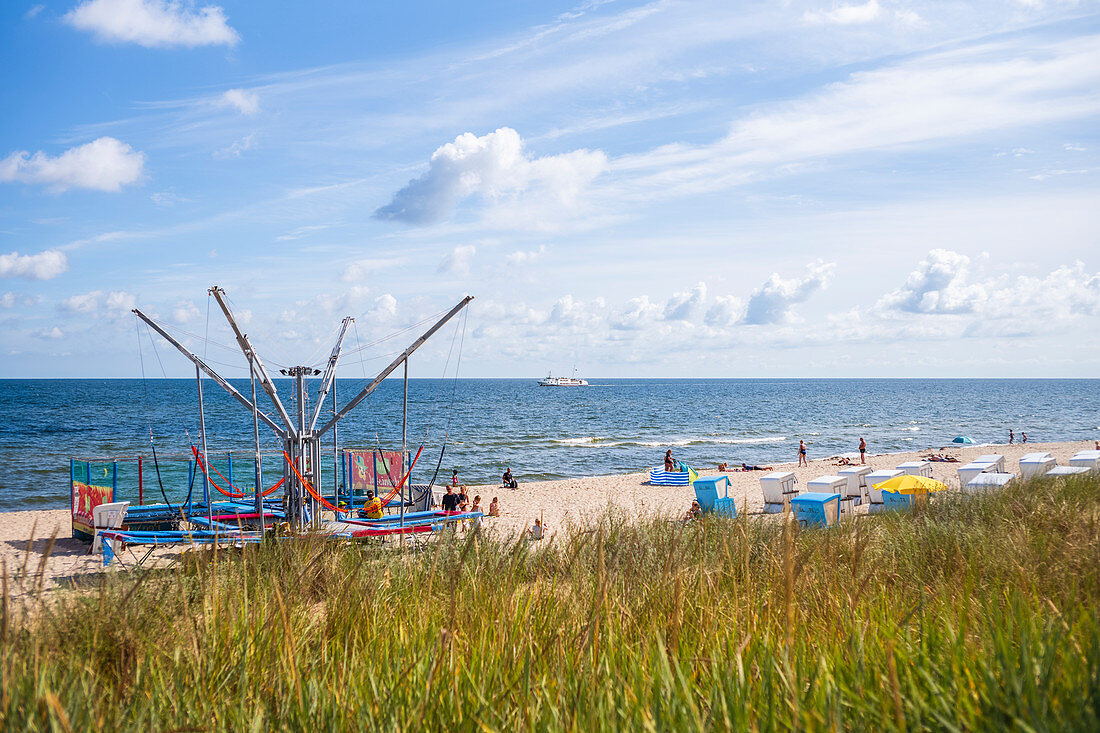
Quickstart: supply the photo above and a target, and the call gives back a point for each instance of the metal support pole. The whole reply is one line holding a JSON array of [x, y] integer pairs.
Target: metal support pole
[[141, 485], [205, 458], [256, 437], [302, 441], [336, 450], [404, 435]]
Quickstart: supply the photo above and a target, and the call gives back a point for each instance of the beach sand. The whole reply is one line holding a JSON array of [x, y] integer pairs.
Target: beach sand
[[24, 536]]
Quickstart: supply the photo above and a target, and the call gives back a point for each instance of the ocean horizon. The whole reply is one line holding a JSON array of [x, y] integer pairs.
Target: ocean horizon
[[541, 433]]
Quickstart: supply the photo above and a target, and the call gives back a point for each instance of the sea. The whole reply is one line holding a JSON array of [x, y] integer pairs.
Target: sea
[[479, 427]]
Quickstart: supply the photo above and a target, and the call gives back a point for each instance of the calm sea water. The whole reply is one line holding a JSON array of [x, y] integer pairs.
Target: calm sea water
[[613, 426]]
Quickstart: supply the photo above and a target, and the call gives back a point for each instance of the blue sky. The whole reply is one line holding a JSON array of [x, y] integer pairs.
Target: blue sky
[[681, 189]]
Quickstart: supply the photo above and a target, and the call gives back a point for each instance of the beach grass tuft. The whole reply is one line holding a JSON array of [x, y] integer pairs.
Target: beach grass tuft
[[968, 613]]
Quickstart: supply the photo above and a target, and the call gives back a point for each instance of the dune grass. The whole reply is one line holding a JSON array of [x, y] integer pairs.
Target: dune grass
[[968, 614]]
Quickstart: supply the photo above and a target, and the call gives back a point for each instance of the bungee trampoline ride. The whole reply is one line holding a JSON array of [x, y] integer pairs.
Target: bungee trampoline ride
[[296, 503]]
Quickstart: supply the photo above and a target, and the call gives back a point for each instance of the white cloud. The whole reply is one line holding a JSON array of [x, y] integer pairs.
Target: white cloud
[[728, 310], [245, 101], [942, 285], [238, 147], [845, 14], [683, 306], [934, 99], [185, 311], [495, 167], [51, 334], [105, 164], [113, 304], [458, 260], [772, 302], [42, 266], [938, 285], [360, 269], [33, 11], [154, 23], [638, 313], [11, 300], [521, 257]]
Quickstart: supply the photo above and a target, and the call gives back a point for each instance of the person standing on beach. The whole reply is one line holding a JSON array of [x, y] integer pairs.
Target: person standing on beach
[[670, 465], [802, 454], [862, 452], [450, 500], [454, 477], [1011, 436], [1024, 437]]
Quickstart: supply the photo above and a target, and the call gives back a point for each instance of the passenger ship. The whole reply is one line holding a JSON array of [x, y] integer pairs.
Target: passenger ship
[[552, 381]]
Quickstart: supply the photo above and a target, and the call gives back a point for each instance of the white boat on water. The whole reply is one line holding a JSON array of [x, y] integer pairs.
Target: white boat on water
[[552, 381]]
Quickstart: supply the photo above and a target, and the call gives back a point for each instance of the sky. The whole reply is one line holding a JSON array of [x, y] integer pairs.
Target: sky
[[691, 188]]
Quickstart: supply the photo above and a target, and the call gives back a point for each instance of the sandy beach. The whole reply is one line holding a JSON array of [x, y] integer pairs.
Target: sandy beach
[[24, 536]]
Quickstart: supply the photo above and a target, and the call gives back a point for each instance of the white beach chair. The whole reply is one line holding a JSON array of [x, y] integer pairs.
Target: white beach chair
[[916, 468], [875, 495], [970, 470], [778, 488], [1036, 464], [107, 516], [995, 458], [990, 481], [1089, 459], [833, 485], [857, 482]]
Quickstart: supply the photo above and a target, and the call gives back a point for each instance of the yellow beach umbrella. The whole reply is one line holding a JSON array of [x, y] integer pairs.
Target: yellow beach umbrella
[[911, 485]]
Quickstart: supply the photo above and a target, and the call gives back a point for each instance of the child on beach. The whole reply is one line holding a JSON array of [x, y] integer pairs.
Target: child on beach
[[670, 465], [494, 508], [536, 530], [454, 477], [802, 454]]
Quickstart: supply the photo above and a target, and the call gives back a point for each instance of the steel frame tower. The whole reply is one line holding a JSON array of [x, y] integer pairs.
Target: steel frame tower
[[300, 436]]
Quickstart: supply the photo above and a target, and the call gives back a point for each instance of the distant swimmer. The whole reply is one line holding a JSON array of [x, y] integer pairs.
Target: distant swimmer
[[802, 454], [862, 451]]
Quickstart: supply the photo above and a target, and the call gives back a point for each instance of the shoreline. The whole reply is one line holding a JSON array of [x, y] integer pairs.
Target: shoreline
[[560, 503]]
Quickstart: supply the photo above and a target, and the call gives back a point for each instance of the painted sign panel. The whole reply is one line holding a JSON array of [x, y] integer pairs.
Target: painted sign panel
[[364, 465]]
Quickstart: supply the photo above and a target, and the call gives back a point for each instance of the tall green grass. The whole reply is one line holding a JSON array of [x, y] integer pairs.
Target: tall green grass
[[968, 614]]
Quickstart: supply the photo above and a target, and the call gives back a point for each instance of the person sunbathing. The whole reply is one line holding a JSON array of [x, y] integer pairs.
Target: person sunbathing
[[747, 467], [844, 461]]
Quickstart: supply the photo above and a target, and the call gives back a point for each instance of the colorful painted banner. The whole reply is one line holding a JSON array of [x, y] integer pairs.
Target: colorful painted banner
[[86, 497], [364, 465]]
